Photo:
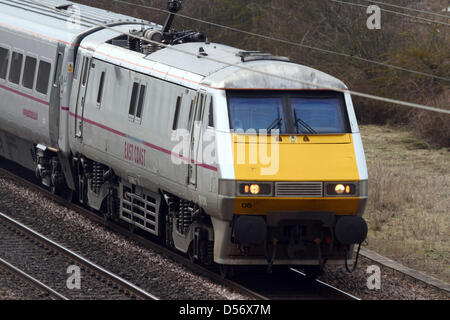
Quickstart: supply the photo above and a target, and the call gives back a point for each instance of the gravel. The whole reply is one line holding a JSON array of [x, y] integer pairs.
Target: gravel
[[150, 271], [163, 277], [393, 285], [14, 288], [50, 267]]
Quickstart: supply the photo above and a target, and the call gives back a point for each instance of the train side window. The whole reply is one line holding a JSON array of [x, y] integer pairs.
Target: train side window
[[177, 114], [43, 77], [133, 102], [211, 115], [191, 110], [59, 62], [28, 72], [77, 67], [16, 67], [199, 114], [141, 101], [4, 60], [100, 88], [85, 71]]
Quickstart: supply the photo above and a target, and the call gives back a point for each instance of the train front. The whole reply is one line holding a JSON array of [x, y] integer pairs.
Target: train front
[[300, 177]]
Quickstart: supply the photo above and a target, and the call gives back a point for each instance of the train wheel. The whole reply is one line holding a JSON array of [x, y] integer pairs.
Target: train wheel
[[313, 272], [191, 254], [168, 231], [67, 194], [63, 192], [226, 271], [105, 214]]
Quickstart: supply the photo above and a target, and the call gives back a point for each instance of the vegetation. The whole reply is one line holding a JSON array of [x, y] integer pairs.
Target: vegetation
[[402, 41], [409, 197]]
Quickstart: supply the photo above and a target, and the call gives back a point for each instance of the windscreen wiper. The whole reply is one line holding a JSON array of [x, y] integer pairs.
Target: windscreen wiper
[[303, 123], [274, 124]]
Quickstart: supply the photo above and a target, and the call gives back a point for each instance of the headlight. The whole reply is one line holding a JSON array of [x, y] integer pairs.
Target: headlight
[[255, 189], [341, 189]]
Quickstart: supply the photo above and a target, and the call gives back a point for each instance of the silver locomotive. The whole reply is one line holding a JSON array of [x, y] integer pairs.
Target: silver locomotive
[[234, 157]]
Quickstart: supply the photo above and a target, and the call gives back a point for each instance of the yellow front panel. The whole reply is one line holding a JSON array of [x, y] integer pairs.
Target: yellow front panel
[[295, 158]]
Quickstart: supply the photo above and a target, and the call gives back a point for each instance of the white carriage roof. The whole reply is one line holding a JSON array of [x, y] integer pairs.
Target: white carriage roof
[[43, 17], [222, 75], [28, 15], [186, 57]]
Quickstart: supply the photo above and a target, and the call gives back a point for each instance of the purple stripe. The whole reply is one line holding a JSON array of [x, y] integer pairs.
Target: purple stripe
[[100, 125], [207, 166], [203, 165], [148, 144], [24, 95]]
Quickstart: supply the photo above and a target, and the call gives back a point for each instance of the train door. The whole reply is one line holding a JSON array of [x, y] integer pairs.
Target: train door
[[196, 130], [55, 97], [82, 89]]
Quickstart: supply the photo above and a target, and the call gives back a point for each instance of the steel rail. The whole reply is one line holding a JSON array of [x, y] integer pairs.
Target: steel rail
[[128, 286], [132, 236], [340, 292], [31, 280], [330, 291]]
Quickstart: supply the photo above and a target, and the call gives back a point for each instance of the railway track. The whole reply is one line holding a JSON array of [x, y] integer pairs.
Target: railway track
[[288, 284], [41, 257], [31, 280]]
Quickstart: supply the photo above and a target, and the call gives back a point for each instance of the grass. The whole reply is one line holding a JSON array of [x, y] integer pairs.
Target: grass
[[409, 199]]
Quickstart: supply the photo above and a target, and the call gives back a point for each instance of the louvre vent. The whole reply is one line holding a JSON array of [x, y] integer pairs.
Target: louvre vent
[[299, 189]]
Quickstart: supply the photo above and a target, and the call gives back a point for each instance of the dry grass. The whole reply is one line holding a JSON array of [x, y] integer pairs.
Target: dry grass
[[409, 190]]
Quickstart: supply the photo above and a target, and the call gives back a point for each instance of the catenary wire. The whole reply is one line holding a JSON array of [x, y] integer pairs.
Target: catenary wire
[[394, 12], [289, 42], [354, 93], [409, 9]]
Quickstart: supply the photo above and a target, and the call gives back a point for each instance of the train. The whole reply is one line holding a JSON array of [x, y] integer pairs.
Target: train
[[232, 157]]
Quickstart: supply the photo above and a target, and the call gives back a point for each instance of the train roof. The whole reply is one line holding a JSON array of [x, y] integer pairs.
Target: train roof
[[183, 64], [197, 62], [50, 18], [222, 70]]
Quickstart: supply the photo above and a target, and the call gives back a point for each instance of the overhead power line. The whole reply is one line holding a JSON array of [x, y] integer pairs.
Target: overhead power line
[[409, 9], [326, 51], [394, 12], [240, 66]]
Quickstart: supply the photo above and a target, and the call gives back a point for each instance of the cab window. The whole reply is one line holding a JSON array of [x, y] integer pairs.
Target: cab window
[[285, 112], [253, 113]]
